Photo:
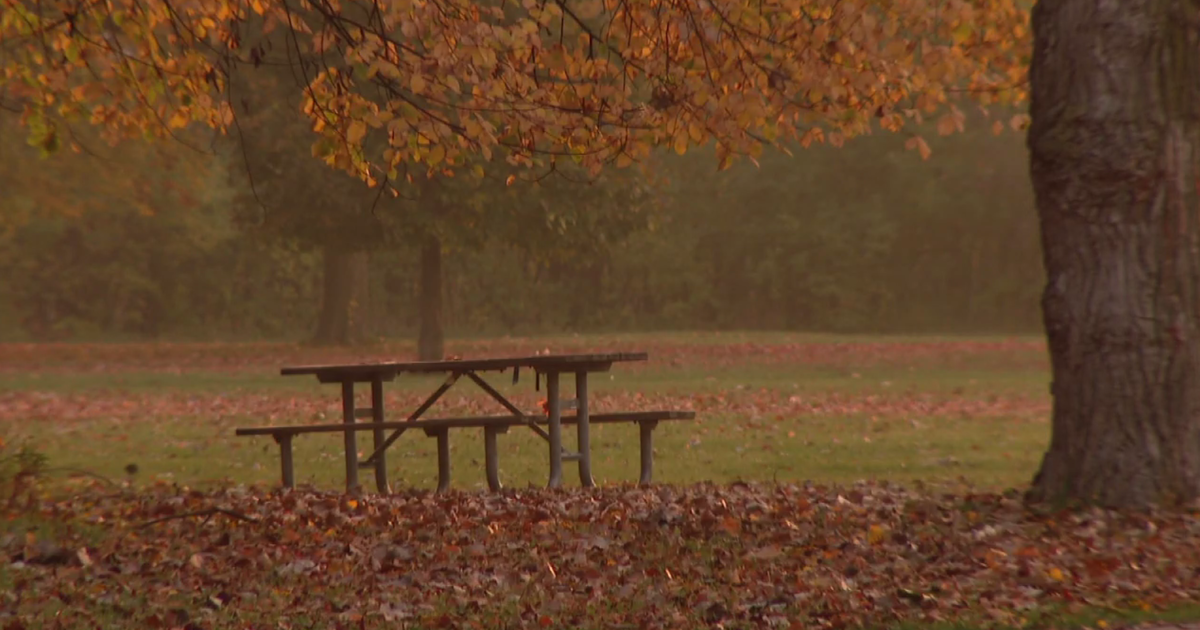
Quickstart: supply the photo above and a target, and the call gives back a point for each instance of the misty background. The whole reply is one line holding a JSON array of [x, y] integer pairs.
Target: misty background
[[172, 242]]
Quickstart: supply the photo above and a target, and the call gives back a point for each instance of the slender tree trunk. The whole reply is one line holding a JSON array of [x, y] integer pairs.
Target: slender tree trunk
[[431, 341], [343, 298], [1116, 128]]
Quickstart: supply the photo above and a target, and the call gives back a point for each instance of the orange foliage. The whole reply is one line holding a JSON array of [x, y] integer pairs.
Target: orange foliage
[[394, 84]]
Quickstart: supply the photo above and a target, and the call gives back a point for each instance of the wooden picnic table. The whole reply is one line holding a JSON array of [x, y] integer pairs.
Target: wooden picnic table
[[547, 366]]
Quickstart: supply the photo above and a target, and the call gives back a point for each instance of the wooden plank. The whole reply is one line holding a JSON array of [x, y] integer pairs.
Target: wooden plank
[[593, 362], [467, 422]]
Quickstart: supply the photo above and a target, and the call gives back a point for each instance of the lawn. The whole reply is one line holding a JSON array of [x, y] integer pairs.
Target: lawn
[[828, 482], [770, 407]]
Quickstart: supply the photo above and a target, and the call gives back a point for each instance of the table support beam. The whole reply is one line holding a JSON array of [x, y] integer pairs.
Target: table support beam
[[505, 402], [583, 430], [450, 381], [491, 455], [443, 448], [647, 444], [555, 413], [351, 439], [285, 459], [381, 480]]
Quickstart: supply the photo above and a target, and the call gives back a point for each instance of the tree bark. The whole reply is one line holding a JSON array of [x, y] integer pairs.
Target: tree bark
[[1115, 130], [431, 340], [343, 298]]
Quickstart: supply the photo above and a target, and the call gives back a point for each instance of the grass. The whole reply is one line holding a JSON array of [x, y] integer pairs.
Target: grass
[[953, 412], [937, 409]]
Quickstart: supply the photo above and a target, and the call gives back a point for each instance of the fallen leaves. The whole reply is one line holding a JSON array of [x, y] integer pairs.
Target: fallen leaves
[[740, 555], [716, 352], [750, 410]]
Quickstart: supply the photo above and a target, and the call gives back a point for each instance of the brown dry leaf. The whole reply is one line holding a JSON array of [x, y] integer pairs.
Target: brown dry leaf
[[739, 555]]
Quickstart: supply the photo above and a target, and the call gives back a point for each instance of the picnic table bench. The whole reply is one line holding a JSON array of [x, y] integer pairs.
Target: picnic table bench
[[548, 366]]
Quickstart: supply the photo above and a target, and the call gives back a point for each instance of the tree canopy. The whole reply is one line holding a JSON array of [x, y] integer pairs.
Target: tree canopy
[[389, 86]]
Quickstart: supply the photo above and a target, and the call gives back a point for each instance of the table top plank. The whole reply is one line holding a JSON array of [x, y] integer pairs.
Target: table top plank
[[597, 362]]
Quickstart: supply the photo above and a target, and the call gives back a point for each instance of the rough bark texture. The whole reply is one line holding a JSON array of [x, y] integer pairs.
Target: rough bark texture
[[431, 340], [1113, 148], [344, 298]]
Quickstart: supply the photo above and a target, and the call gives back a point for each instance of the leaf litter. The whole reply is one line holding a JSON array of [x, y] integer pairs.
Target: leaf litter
[[19, 358], [732, 556], [748, 404]]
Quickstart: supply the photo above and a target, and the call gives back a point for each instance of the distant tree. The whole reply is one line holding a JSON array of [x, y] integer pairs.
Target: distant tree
[[288, 193], [62, 219]]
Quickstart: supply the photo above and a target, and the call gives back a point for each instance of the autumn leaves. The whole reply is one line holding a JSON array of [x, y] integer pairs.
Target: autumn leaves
[[397, 88]]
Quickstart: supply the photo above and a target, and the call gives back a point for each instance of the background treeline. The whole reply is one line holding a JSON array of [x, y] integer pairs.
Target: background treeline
[[171, 242]]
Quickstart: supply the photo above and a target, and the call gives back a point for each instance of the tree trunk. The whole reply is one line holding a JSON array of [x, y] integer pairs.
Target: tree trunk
[[1113, 141], [431, 341], [343, 298]]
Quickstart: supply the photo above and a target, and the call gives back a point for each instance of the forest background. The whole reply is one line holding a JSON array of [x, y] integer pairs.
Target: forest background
[[206, 239]]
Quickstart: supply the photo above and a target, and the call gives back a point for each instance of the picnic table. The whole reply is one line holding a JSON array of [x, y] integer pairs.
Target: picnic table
[[549, 426]]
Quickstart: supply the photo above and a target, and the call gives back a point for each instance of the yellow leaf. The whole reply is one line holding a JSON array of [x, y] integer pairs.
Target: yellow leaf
[[435, 155], [178, 120], [624, 160], [876, 534], [962, 33], [681, 143], [724, 157], [918, 143], [417, 83], [1055, 574], [356, 132]]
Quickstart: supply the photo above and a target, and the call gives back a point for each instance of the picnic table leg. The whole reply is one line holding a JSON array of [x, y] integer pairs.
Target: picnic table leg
[[491, 456], [443, 439], [351, 441], [381, 480], [285, 459], [584, 438], [647, 431], [555, 412]]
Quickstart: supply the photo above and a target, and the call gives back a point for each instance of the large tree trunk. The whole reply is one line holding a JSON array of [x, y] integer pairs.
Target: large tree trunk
[[1113, 141], [344, 298], [431, 340]]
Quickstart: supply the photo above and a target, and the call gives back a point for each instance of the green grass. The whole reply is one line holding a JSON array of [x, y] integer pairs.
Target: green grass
[[991, 453], [936, 378], [194, 446], [955, 419]]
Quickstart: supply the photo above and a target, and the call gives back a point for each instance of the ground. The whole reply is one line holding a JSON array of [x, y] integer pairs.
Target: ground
[[827, 482]]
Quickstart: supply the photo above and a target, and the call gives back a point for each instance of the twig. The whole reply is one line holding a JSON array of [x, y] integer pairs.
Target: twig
[[82, 473], [209, 513]]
